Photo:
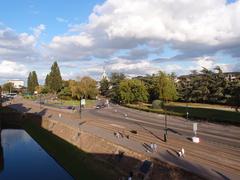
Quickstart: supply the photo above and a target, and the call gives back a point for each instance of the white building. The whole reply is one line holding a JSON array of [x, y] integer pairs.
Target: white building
[[17, 83], [104, 75]]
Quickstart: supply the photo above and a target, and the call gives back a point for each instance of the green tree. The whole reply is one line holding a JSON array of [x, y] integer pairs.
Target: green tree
[[54, 79], [235, 94], [86, 87], [165, 87], [150, 84], [104, 87], [32, 82], [8, 87], [115, 80], [133, 90]]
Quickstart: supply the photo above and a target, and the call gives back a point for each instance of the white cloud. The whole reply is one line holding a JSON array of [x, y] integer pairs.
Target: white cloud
[[61, 20], [193, 28], [132, 68], [10, 69], [38, 30]]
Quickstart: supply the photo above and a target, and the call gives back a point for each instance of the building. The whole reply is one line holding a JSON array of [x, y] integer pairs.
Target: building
[[104, 75], [17, 83]]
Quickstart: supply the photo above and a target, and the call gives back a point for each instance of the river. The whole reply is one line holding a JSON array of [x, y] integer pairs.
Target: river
[[22, 158]]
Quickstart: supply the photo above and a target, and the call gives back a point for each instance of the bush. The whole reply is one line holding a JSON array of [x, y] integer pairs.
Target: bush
[[157, 104]]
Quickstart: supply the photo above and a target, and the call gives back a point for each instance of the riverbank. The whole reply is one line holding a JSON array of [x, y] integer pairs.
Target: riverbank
[[79, 164]]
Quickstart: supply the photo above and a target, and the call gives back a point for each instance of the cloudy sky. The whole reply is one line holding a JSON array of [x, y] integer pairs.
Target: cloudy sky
[[136, 37]]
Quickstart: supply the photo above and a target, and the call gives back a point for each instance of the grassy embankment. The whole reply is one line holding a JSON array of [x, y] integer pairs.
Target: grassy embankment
[[211, 113], [80, 164]]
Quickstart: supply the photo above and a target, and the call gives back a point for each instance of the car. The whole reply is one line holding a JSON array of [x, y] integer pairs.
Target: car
[[98, 106]]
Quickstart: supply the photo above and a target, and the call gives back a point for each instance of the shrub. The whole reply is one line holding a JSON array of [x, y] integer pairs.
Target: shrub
[[157, 104]]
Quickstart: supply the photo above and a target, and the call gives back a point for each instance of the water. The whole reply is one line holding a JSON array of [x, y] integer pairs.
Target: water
[[22, 158]]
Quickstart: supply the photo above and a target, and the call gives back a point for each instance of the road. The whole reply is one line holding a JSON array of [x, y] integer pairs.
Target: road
[[217, 153]]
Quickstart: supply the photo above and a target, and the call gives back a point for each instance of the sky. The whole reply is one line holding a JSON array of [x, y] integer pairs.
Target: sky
[[136, 37]]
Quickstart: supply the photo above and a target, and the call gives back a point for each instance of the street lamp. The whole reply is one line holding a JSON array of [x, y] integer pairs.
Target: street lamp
[[80, 107], [165, 134], [40, 100], [166, 128]]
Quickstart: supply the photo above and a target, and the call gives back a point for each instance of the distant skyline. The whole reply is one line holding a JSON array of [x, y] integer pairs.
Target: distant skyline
[[136, 37]]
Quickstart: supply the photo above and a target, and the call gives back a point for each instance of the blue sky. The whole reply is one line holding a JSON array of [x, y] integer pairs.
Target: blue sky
[[133, 37]]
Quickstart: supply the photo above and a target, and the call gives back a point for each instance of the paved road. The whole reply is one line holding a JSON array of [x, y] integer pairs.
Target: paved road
[[209, 132], [217, 152]]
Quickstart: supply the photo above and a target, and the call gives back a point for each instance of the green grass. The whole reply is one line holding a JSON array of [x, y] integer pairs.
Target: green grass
[[79, 164], [212, 115], [89, 102], [199, 113], [200, 105]]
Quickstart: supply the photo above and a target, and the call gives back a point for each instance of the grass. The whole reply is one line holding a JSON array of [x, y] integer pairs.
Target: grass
[[79, 164], [200, 105], [89, 102], [198, 112], [211, 115]]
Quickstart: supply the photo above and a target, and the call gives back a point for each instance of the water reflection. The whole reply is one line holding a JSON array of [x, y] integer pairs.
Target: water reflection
[[22, 158]]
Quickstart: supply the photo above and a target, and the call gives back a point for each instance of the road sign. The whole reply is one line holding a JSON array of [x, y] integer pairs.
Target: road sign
[[195, 128], [83, 102]]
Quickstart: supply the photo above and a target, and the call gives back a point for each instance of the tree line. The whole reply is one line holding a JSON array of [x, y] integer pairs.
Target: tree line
[[84, 87], [206, 86]]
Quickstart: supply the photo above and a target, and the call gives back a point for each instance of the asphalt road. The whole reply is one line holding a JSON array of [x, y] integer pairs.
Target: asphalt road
[[209, 132]]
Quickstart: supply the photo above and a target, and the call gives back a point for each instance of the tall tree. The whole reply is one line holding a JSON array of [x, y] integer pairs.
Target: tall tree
[[133, 90], [54, 80], [115, 80], [32, 81], [86, 87], [29, 83], [104, 87], [165, 86], [8, 87]]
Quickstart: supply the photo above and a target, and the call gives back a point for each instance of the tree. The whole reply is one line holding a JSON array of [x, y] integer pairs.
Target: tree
[[8, 87], [86, 87], [104, 87], [165, 87], [47, 80], [32, 81], [29, 83], [133, 90], [54, 79], [235, 94], [150, 84], [115, 80]]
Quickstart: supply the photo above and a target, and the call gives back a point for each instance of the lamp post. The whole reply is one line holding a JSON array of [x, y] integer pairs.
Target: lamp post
[[40, 100], [166, 128], [80, 107], [165, 133], [0, 96]]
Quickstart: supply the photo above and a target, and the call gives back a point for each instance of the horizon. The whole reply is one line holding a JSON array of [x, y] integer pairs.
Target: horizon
[[88, 37]]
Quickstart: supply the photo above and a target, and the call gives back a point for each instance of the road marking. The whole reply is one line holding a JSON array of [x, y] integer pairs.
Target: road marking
[[116, 125]]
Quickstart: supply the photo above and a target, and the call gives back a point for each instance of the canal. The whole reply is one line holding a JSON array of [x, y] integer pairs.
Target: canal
[[22, 158]]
